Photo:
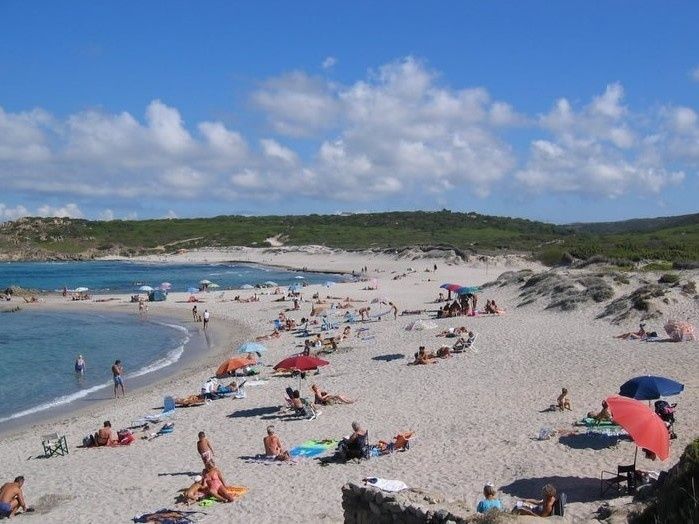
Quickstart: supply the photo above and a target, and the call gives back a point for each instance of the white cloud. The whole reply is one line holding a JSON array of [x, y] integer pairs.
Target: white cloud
[[694, 74], [69, 211], [329, 62], [170, 215], [107, 215], [12, 213], [274, 150]]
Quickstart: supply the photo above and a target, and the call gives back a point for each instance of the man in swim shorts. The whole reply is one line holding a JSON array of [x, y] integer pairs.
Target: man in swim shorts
[[117, 374], [12, 498]]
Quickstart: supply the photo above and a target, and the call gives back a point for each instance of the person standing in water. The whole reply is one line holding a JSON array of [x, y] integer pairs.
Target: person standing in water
[[80, 365], [117, 374]]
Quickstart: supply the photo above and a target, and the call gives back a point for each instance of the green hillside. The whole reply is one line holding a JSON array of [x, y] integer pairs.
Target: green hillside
[[671, 239]]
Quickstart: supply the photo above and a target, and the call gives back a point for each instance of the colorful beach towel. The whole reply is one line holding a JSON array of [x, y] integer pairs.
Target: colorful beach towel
[[236, 491], [590, 422], [312, 448]]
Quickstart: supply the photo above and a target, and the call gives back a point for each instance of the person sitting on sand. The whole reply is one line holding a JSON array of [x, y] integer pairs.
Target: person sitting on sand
[[206, 452], [324, 398], [364, 313], [490, 502], [195, 492], [215, 484], [106, 436], [273, 446], [604, 415], [563, 402], [355, 443], [641, 334], [538, 508], [296, 400], [12, 498], [422, 357]]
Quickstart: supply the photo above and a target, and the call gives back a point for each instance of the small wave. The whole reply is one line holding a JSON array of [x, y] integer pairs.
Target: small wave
[[65, 399]]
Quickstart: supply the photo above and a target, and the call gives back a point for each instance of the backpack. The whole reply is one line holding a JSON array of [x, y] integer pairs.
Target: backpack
[[559, 507]]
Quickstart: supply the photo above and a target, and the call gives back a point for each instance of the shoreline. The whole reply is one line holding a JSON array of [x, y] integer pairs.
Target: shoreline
[[200, 348]]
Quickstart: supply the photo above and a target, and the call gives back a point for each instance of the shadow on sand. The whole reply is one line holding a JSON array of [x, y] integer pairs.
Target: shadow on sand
[[577, 489]]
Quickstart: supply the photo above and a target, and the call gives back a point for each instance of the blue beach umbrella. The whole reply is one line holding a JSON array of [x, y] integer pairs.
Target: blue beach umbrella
[[650, 387], [468, 290], [252, 347], [145, 288]]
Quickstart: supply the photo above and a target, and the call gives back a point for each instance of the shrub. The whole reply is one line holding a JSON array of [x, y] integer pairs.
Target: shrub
[[669, 278], [690, 287]]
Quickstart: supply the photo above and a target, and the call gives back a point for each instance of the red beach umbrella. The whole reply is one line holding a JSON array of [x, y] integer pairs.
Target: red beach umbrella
[[451, 287], [233, 364], [301, 363], [642, 424]]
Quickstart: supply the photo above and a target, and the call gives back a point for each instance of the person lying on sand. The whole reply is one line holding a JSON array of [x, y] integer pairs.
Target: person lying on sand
[[422, 357], [324, 398], [538, 508], [215, 484], [444, 352], [273, 335], [273, 446], [106, 436], [641, 334], [453, 332], [563, 402], [603, 415], [12, 498]]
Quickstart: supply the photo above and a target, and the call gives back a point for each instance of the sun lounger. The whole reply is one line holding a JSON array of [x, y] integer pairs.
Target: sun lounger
[[54, 445], [462, 346], [167, 412]]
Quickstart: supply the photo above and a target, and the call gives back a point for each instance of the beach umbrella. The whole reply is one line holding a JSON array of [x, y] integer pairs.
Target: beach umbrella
[[643, 425], [451, 287], [234, 364], [165, 285], [270, 283], [205, 282], [252, 347], [650, 387], [81, 289], [148, 289], [679, 330], [468, 290], [301, 363], [247, 286], [214, 286]]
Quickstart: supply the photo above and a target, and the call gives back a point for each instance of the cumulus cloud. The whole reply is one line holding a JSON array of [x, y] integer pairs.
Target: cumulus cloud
[[329, 62], [68, 211], [398, 131], [12, 213], [596, 150]]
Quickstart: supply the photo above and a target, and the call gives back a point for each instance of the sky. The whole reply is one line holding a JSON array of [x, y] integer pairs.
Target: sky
[[556, 111]]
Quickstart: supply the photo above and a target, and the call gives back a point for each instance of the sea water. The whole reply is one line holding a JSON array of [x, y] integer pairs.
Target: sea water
[[38, 351], [38, 347], [126, 277]]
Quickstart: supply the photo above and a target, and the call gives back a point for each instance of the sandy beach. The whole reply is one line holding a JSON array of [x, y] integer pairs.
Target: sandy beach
[[476, 415]]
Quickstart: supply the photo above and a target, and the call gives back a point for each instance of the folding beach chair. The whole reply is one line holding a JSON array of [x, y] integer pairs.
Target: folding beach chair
[[167, 412], [466, 345], [624, 475], [54, 445]]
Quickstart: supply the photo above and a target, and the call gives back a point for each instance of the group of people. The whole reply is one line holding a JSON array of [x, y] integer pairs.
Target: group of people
[[544, 507]]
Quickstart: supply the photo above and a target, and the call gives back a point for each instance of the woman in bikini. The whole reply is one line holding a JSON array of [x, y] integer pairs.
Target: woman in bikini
[[215, 483], [324, 398]]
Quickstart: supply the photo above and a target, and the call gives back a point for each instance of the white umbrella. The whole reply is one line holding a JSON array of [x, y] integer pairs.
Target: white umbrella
[[246, 286], [205, 282], [214, 286], [81, 289], [145, 288]]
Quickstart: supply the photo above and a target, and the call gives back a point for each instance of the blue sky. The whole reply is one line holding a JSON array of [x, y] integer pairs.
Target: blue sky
[[562, 111]]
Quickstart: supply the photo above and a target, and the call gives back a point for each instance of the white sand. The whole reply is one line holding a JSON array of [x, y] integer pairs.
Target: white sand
[[475, 415]]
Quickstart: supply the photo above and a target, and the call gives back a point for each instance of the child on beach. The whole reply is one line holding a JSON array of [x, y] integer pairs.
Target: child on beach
[[563, 402], [206, 452], [490, 502]]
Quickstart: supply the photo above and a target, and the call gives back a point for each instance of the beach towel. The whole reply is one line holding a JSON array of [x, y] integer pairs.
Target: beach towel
[[168, 516], [589, 422], [236, 491], [266, 459], [392, 486], [312, 448]]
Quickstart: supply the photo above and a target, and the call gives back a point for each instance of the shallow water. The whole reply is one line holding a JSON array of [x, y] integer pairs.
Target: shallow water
[[38, 351]]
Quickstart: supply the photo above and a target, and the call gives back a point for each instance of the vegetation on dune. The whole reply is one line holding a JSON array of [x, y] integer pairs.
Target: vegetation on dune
[[674, 239]]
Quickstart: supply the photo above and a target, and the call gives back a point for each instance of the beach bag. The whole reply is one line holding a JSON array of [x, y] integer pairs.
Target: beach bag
[[89, 441]]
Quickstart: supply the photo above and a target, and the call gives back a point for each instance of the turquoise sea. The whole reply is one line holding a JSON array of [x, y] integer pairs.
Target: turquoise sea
[[38, 348]]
